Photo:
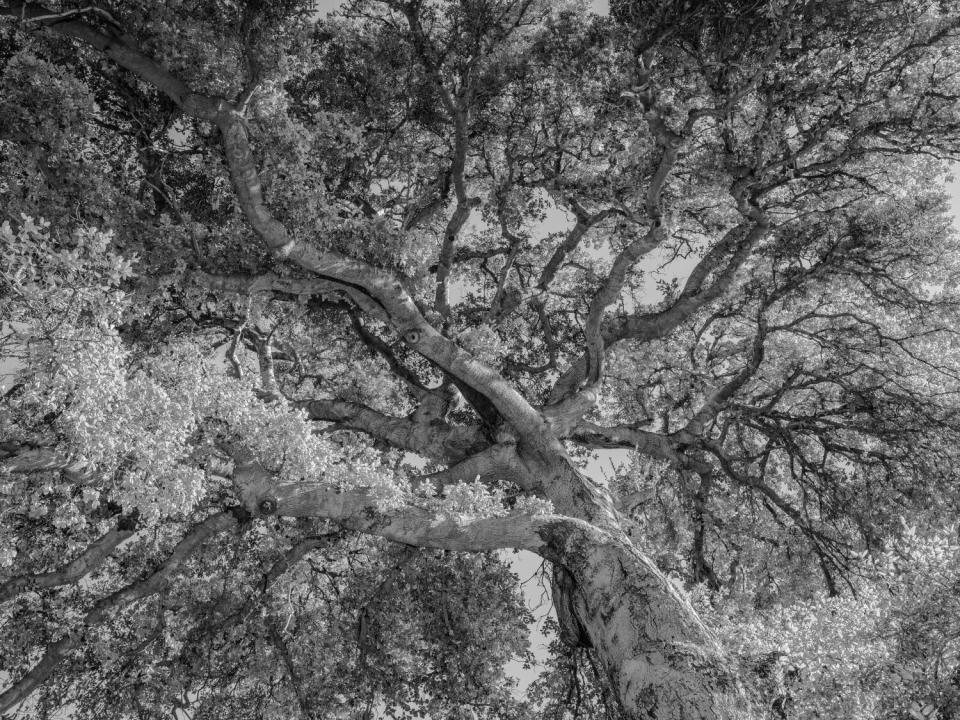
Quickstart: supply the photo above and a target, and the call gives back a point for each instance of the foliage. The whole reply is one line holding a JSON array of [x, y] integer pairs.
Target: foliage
[[888, 651], [398, 273]]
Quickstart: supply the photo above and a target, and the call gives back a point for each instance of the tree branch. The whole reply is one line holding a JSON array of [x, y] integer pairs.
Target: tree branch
[[381, 348], [84, 564], [717, 400], [458, 115], [610, 290], [496, 464], [360, 510], [26, 460], [301, 287], [651, 326], [434, 439], [662, 447], [570, 243]]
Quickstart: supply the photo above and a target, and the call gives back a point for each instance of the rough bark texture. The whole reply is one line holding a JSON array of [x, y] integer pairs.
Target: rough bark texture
[[660, 658], [662, 662]]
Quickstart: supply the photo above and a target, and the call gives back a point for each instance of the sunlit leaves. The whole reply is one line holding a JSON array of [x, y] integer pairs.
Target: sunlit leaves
[[890, 651]]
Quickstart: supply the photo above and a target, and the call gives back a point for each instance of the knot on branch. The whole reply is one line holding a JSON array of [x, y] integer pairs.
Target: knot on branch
[[412, 337], [267, 506], [283, 251]]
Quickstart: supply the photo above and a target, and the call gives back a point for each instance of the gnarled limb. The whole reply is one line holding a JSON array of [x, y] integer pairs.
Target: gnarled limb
[[383, 350], [24, 460], [359, 510], [583, 224], [269, 388], [301, 287], [651, 326], [610, 290], [267, 282], [118, 47], [498, 463]]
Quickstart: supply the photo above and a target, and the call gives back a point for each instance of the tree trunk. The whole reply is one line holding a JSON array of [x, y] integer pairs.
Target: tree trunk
[[661, 660]]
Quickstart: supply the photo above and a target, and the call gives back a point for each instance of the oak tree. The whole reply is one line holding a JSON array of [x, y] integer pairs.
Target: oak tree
[[307, 319]]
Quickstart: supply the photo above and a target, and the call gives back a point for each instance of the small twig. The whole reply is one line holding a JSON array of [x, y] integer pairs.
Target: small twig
[[54, 18]]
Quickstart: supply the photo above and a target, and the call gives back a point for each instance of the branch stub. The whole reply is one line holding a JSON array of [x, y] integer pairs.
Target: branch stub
[[267, 506]]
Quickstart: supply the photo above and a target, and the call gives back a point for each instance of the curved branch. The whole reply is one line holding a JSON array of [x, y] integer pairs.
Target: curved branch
[[644, 327], [21, 460], [613, 284], [120, 49], [610, 290], [650, 326], [377, 345], [570, 243], [495, 464]]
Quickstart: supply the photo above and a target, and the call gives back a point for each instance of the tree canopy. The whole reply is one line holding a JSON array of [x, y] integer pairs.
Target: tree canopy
[[308, 320]]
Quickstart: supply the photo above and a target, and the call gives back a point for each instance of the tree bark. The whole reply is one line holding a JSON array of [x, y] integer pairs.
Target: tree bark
[[660, 659]]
